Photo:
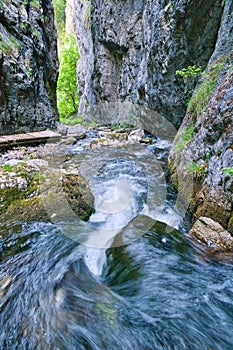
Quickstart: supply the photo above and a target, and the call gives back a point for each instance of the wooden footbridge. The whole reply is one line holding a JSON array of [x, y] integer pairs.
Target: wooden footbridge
[[30, 138]]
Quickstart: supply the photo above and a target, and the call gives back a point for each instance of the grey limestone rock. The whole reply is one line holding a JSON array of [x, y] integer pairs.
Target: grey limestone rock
[[130, 50], [28, 66], [212, 234], [211, 147]]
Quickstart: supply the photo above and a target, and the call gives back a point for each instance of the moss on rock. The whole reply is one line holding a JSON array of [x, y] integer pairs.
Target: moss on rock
[[230, 225], [212, 210], [29, 195]]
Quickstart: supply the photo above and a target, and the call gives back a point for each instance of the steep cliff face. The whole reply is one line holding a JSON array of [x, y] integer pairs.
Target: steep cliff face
[[209, 151], [28, 66], [131, 49]]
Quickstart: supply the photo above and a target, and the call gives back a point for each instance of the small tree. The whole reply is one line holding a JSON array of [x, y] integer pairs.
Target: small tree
[[67, 95]]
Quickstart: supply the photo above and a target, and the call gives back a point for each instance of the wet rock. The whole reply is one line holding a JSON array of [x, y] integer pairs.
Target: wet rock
[[76, 130], [103, 141], [212, 139], [119, 138], [68, 198], [62, 129], [136, 136], [32, 189], [67, 141], [230, 225], [146, 140], [4, 284], [78, 136], [212, 234]]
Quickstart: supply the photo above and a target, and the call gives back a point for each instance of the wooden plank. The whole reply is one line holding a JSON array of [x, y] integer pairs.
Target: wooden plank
[[7, 141]]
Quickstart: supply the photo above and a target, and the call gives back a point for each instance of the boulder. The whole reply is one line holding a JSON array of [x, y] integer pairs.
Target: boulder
[[32, 190], [212, 234]]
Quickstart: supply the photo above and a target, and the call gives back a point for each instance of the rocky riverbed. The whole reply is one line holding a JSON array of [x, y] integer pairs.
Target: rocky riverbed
[[35, 181], [30, 176]]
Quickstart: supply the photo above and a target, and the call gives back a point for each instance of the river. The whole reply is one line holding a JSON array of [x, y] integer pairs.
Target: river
[[121, 281]]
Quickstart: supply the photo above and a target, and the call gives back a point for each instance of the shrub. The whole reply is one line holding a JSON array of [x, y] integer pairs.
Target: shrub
[[228, 171], [190, 71], [196, 169]]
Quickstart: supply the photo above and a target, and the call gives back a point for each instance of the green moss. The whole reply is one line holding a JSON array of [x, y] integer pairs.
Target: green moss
[[6, 47], [36, 33], [9, 46], [25, 210], [230, 225], [185, 137], [217, 213], [100, 140], [47, 187], [78, 195], [7, 167], [74, 189], [11, 194], [202, 94]]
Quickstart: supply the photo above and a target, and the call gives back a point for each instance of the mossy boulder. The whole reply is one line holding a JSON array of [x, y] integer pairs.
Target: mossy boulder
[[27, 195], [16, 183]]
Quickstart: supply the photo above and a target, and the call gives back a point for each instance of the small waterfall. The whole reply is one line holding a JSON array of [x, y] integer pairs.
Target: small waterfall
[[120, 190]]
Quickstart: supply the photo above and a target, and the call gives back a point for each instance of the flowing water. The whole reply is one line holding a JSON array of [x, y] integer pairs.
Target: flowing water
[[121, 281]]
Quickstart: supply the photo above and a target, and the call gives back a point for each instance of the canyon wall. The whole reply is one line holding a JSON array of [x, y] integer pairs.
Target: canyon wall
[[208, 153], [28, 66], [130, 50]]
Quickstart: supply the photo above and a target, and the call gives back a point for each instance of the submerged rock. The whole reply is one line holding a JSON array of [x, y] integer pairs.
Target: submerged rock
[[119, 138]]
